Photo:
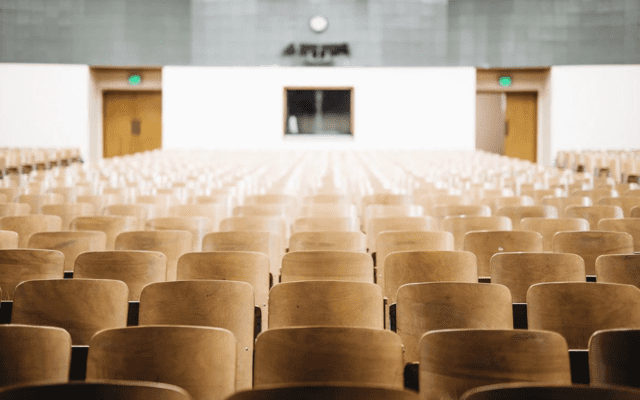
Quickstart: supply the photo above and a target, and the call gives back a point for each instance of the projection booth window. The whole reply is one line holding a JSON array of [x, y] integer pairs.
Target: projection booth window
[[318, 111]]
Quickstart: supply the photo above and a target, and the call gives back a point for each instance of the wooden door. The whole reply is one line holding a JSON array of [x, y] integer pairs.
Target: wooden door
[[132, 122], [521, 126], [490, 118]]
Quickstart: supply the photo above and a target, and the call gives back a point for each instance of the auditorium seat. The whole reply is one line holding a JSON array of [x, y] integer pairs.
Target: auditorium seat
[[326, 303], [201, 360], [614, 357], [589, 245], [329, 241], [385, 211], [259, 241], [26, 225], [19, 265], [593, 214], [133, 267], [213, 213], [624, 202], [596, 194], [484, 244], [99, 202], [244, 266], [542, 391], [377, 225], [11, 194], [459, 226], [561, 203], [517, 213], [327, 265], [619, 268], [392, 241], [417, 266], [71, 244], [324, 210], [14, 209], [333, 392], [424, 307], [196, 225], [320, 224], [548, 227], [217, 304], [36, 201], [454, 361], [112, 226], [629, 225], [8, 240], [141, 212], [519, 271], [33, 354], [80, 306], [328, 355], [275, 225], [102, 390], [498, 202], [577, 309], [68, 212], [173, 244]]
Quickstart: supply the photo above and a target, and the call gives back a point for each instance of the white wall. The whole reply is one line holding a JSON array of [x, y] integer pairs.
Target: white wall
[[595, 107], [209, 107], [44, 106]]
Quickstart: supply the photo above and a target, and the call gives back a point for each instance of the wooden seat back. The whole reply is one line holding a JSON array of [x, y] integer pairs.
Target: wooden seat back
[[377, 225], [218, 304], [594, 214], [103, 390], [328, 241], [454, 361], [591, 244], [484, 244], [31, 354], [459, 226], [133, 267], [393, 241], [614, 356], [548, 227], [172, 244], [26, 225], [69, 243], [517, 213], [81, 306], [328, 355], [629, 225], [112, 226], [327, 265], [326, 303], [197, 226], [519, 271], [201, 360], [577, 309], [405, 267], [423, 307], [19, 265], [69, 211]]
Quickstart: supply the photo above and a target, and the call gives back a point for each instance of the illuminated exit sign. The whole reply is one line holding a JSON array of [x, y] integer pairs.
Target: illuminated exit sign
[[505, 81], [135, 79]]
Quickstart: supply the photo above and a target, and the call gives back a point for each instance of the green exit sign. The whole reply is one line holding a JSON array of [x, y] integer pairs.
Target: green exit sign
[[135, 79], [505, 81]]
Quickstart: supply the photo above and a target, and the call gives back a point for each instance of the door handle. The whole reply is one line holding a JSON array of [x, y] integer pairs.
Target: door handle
[[506, 128], [135, 127]]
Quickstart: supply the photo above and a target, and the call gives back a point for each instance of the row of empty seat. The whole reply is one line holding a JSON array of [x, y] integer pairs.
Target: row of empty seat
[[354, 266]]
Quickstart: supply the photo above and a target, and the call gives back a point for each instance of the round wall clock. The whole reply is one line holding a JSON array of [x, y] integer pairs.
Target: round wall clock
[[318, 24]]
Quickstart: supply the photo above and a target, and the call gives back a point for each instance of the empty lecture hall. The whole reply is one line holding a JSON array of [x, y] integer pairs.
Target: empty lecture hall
[[320, 199]]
